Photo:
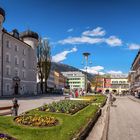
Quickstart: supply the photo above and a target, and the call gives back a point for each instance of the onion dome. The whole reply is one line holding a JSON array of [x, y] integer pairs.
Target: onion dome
[[29, 33], [2, 12]]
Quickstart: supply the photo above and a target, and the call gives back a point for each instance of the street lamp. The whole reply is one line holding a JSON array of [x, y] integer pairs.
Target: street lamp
[[86, 55]]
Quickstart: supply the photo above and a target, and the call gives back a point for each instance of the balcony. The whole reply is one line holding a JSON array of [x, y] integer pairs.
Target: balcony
[[136, 84]]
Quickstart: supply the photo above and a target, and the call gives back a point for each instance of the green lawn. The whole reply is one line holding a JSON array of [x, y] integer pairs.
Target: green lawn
[[69, 125]]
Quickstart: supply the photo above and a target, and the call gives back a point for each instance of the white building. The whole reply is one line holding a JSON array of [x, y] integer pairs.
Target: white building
[[76, 79], [17, 60], [119, 85]]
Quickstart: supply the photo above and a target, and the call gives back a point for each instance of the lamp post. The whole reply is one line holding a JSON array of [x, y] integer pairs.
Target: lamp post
[[86, 55]]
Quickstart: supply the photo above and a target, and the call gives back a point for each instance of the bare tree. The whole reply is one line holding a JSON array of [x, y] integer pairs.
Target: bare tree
[[44, 63]]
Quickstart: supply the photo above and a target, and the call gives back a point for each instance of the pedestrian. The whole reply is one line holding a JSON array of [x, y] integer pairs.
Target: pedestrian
[[80, 92], [76, 93]]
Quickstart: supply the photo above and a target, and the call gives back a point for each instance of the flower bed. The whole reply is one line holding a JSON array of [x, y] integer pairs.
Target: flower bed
[[88, 98], [33, 120], [5, 137], [65, 106]]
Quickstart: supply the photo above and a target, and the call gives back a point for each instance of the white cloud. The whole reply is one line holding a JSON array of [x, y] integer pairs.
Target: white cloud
[[114, 72], [70, 30], [101, 70], [81, 40], [113, 41], [62, 55], [94, 36], [134, 46], [95, 32], [95, 70]]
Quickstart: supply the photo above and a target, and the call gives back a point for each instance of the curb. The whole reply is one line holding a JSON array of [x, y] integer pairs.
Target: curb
[[106, 127]]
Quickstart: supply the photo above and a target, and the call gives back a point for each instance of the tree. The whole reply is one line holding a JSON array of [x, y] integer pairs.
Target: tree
[[97, 82], [44, 63]]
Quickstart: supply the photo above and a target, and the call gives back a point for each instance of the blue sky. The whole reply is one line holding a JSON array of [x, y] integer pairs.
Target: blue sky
[[108, 29]]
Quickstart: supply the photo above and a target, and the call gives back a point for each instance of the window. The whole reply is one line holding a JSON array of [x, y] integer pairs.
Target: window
[[7, 44], [7, 71], [16, 72], [23, 63], [7, 87], [16, 48], [16, 60], [23, 74], [114, 82], [120, 82], [23, 88], [7, 58], [24, 52]]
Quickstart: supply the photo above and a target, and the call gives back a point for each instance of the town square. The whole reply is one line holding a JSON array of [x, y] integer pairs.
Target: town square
[[69, 70]]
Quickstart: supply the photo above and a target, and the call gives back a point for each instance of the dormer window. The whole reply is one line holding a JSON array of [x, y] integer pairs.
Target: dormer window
[[15, 33]]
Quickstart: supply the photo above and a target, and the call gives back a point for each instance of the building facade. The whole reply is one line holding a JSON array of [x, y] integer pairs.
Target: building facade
[[135, 74], [76, 79], [17, 61], [117, 83], [55, 81], [59, 80]]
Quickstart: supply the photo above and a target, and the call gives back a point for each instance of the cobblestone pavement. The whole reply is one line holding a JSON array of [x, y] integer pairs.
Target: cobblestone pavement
[[29, 103], [124, 121]]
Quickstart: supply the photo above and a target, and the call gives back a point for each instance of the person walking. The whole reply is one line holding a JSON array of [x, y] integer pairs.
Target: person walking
[[76, 93]]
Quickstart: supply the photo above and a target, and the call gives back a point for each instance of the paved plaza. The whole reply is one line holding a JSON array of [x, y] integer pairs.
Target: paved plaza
[[28, 103]]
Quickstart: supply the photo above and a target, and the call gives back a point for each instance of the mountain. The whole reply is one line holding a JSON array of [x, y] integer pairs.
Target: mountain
[[64, 68]]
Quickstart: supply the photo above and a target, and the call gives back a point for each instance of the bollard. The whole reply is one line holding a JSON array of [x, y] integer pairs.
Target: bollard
[[15, 107]]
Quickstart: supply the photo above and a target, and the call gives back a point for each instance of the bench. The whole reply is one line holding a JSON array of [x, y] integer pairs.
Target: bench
[[10, 110], [7, 112]]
